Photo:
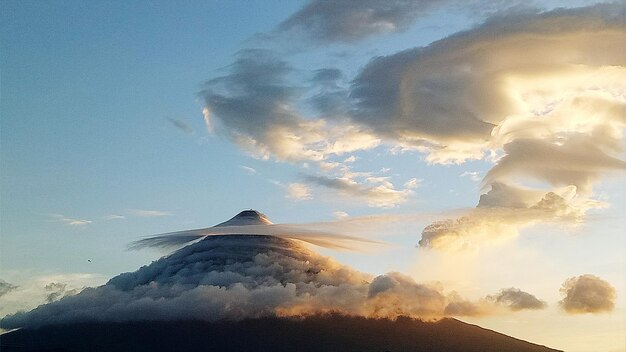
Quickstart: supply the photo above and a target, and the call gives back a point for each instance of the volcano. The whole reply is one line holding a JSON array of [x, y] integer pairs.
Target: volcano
[[251, 292]]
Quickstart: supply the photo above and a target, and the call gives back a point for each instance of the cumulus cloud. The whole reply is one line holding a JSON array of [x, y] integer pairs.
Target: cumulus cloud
[[516, 299], [347, 21], [587, 294], [447, 97], [502, 212], [6, 287], [237, 277]]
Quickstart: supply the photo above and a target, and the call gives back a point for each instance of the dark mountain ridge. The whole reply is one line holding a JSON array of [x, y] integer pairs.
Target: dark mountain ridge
[[317, 333]]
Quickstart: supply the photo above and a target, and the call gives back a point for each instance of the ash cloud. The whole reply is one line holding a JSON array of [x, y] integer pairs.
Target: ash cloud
[[587, 294]]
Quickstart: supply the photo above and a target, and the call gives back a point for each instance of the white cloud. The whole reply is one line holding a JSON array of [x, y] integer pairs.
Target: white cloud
[[70, 221], [377, 191], [503, 212], [248, 170], [236, 277], [298, 191], [473, 175], [340, 214], [114, 217], [148, 213]]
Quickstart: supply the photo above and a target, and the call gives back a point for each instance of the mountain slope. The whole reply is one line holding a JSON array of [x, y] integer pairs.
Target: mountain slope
[[319, 333]]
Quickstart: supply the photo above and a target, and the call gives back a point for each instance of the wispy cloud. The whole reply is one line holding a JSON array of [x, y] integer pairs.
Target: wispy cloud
[[6, 287], [148, 213], [70, 221], [181, 125], [377, 191], [114, 217], [472, 175], [340, 214], [248, 170], [298, 191]]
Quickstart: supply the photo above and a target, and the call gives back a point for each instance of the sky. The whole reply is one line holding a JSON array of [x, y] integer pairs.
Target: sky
[[482, 142]]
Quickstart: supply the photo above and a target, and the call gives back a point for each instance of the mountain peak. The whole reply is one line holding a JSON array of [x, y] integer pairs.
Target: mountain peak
[[245, 218]]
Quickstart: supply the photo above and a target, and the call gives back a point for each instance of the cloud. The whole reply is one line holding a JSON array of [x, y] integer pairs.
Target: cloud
[[6, 287], [577, 161], [148, 213], [70, 221], [379, 192], [237, 277], [114, 217], [248, 170], [347, 21], [587, 294], [502, 212], [57, 290], [298, 191], [516, 299], [473, 175], [458, 306], [31, 289], [392, 293], [256, 107], [340, 214], [181, 125], [448, 97]]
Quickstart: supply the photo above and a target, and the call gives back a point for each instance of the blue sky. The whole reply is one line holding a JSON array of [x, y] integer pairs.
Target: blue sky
[[103, 141]]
